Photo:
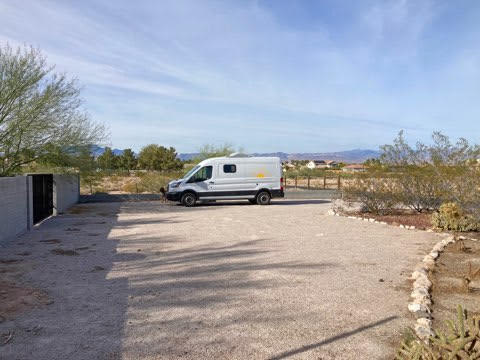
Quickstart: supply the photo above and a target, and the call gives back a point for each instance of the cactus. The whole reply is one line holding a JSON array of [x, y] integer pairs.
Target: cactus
[[452, 217], [461, 341]]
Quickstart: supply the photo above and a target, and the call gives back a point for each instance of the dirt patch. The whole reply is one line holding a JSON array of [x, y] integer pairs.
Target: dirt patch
[[51, 241], [77, 210], [450, 287], [97, 268], [15, 299], [9, 261], [421, 221], [64, 252], [24, 253]]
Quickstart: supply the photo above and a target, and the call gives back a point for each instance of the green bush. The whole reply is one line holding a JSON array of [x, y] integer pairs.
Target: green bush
[[452, 217], [461, 341], [375, 193]]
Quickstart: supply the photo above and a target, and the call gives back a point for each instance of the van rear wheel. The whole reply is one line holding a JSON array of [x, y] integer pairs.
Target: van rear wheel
[[189, 199], [263, 198]]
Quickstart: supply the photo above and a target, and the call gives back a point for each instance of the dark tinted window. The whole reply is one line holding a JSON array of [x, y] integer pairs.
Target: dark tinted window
[[229, 169], [203, 174]]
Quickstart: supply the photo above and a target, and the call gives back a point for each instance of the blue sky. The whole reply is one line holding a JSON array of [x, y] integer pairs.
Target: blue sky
[[278, 75]]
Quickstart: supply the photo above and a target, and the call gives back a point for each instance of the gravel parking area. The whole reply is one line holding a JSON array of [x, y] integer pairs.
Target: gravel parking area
[[147, 280]]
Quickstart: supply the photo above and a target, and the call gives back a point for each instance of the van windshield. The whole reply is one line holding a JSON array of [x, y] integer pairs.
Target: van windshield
[[192, 170]]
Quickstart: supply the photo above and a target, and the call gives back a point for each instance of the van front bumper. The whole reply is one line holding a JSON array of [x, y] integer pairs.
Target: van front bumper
[[174, 196]]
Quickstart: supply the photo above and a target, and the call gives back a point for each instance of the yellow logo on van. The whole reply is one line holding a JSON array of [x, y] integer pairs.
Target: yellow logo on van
[[260, 175]]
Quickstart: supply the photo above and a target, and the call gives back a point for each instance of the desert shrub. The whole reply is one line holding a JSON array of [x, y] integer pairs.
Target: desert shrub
[[461, 341], [152, 182], [375, 192], [130, 187], [419, 188], [452, 217]]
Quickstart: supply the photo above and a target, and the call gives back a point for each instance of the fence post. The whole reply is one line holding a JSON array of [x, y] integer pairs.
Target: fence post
[[296, 182], [324, 182], [308, 182], [338, 182]]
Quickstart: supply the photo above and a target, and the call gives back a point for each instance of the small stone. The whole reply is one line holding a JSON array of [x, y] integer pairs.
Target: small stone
[[331, 212], [412, 227], [418, 273], [402, 226], [422, 300], [429, 230], [438, 247], [422, 282], [414, 307], [422, 314], [371, 220], [423, 332], [381, 280], [421, 267], [419, 292], [424, 322]]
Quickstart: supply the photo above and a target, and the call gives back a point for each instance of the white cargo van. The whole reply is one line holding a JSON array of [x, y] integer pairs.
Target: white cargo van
[[237, 176]]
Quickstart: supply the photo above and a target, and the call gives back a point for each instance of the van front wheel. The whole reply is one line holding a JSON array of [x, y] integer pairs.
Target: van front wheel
[[189, 199], [263, 198]]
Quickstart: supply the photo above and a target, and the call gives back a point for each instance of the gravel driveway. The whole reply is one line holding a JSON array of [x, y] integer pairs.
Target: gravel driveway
[[147, 280]]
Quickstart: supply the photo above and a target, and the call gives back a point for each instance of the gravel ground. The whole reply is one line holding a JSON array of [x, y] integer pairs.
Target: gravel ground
[[147, 280]]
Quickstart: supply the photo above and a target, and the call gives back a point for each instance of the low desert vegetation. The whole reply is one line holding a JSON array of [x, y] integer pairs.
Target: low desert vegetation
[[442, 178], [460, 341]]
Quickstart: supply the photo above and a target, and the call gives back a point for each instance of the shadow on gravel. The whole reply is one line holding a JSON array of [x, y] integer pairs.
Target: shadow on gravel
[[299, 202], [302, 349], [87, 313], [193, 294]]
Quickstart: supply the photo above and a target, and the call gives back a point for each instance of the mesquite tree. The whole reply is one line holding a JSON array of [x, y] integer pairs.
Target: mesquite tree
[[39, 110]]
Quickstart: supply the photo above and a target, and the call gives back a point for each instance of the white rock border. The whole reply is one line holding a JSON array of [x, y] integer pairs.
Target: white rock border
[[420, 306]]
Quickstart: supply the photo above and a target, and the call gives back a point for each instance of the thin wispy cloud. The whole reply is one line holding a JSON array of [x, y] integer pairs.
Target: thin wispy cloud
[[282, 75]]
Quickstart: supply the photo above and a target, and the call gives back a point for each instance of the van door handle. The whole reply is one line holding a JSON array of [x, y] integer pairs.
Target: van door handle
[[211, 182]]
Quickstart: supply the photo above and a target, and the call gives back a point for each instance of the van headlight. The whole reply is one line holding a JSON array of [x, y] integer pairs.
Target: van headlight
[[175, 185]]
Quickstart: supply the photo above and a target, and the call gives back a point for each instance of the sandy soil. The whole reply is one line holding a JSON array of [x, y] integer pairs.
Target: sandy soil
[[449, 287], [152, 281]]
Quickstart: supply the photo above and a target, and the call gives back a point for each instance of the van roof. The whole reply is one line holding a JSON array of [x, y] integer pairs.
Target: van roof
[[240, 159]]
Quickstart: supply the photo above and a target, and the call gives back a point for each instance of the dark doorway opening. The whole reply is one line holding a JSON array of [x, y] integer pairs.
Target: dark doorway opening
[[42, 186]]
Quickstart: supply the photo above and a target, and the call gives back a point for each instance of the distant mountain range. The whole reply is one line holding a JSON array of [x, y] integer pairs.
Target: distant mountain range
[[98, 150], [349, 156]]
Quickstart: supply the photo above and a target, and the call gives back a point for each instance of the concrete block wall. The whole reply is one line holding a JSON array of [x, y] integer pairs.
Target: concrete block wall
[[16, 202], [16, 216], [66, 192]]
